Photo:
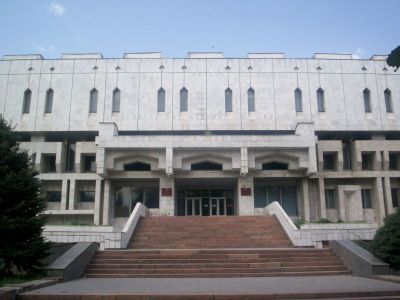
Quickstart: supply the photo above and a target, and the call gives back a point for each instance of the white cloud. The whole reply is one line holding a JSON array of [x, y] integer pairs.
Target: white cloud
[[57, 9], [360, 52], [42, 49]]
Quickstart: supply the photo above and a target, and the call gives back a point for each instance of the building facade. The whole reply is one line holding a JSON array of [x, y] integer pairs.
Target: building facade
[[207, 135]]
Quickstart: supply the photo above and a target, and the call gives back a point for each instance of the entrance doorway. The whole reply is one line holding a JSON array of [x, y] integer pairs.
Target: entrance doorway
[[205, 202], [205, 206]]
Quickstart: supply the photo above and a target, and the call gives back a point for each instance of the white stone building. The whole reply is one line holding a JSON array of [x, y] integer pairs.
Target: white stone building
[[208, 135]]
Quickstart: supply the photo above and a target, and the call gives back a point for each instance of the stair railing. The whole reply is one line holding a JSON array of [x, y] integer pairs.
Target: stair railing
[[139, 211]]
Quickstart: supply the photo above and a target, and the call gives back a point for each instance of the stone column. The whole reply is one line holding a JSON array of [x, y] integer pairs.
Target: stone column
[[167, 201], [107, 202], [388, 195], [322, 204], [73, 198], [97, 202], [306, 199], [379, 202], [245, 203], [64, 194]]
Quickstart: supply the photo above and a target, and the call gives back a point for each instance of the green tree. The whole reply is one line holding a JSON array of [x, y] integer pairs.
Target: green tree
[[22, 246], [393, 59], [386, 243]]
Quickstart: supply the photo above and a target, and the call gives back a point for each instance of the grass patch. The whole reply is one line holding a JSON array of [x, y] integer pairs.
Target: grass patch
[[15, 279]]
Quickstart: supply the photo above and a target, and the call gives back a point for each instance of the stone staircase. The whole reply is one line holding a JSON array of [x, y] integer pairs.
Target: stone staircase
[[209, 233], [235, 246]]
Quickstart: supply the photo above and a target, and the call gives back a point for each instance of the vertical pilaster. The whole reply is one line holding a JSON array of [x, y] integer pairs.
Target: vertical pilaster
[[245, 203], [72, 201], [322, 204], [379, 202], [244, 161], [387, 189], [64, 194], [306, 199], [169, 170], [167, 202], [97, 202], [106, 202]]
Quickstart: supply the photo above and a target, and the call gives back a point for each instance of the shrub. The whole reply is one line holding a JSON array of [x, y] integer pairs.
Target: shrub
[[386, 243]]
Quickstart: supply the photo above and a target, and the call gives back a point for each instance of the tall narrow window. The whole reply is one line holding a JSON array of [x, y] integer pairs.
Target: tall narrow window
[[116, 101], [93, 101], [367, 100], [388, 101], [184, 100], [298, 100], [26, 106], [251, 100], [321, 100], [48, 106], [228, 100], [161, 100]]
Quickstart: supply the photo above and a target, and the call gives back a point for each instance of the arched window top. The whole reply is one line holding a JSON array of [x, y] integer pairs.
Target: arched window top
[[26, 106], [116, 90], [388, 100], [321, 99], [161, 100], [183, 99], [251, 100], [298, 100], [93, 101], [228, 100], [116, 101], [274, 166], [48, 108], [137, 166], [206, 166], [367, 100]]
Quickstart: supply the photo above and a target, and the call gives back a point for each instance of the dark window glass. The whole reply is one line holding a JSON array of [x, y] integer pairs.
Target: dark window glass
[[274, 166], [367, 100], [329, 161], [137, 166], [89, 162], [321, 100], [53, 196], [330, 199], [366, 197], [26, 106], [395, 198], [388, 101], [184, 100], [298, 100], [346, 156], [87, 196], [206, 166], [93, 101], [161, 100], [116, 101], [128, 196], [228, 100], [393, 161], [48, 107], [251, 100], [49, 163], [367, 161]]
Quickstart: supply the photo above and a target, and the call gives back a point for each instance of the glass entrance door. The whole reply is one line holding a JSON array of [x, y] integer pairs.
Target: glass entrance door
[[218, 206], [193, 206]]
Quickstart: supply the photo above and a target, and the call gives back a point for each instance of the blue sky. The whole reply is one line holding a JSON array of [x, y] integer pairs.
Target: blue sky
[[297, 27]]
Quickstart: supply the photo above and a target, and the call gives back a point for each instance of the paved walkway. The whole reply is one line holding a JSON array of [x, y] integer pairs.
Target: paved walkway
[[217, 286]]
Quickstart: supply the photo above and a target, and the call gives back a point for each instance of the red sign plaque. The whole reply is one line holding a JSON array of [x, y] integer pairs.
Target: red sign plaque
[[245, 191], [166, 192]]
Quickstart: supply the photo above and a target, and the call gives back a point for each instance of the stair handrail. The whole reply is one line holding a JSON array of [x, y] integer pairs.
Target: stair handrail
[[139, 211], [291, 230]]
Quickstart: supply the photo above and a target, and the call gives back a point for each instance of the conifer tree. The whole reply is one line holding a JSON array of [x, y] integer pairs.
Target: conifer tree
[[22, 246]]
